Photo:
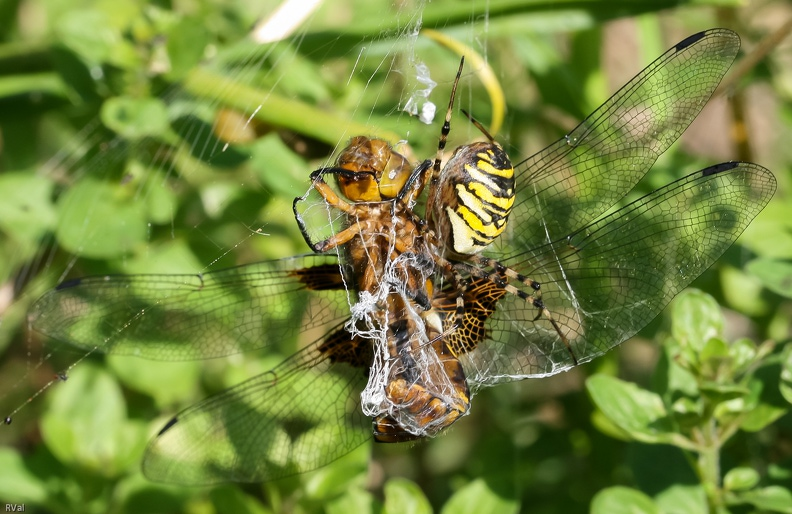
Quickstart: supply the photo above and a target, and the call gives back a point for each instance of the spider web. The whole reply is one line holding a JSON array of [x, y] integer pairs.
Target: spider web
[[200, 176]]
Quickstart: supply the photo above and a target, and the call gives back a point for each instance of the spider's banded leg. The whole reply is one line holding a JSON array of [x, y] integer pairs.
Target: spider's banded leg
[[476, 123], [461, 287], [533, 299], [435, 177], [504, 270]]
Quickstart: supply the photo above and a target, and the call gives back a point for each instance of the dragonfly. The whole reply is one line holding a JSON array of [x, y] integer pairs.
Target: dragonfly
[[428, 283]]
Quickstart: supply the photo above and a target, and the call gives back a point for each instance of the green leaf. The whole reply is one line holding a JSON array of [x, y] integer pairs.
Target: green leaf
[[26, 210], [166, 382], [722, 392], [278, 168], [135, 118], [673, 378], [695, 319], [780, 472], [187, 40], [477, 498], [740, 479], [682, 499], [343, 474], [715, 348], [172, 256], [759, 411], [17, 483], [622, 500], [639, 412], [354, 500], [761, 416], [100, 220], [86, 423], [232, 499], [743, 352], [404, 496], [775, 275], [786, 373], [89, 33], [773, 498]]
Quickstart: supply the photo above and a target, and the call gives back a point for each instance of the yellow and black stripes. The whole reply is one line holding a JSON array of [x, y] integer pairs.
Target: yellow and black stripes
[[483, 196]]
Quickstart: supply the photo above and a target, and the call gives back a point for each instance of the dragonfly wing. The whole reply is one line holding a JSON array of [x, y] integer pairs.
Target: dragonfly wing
[[606, 281], [297, 417], [187, 317], [578, 178]]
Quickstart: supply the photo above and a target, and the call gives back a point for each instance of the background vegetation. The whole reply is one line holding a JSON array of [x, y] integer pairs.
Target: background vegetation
[[109, 164]]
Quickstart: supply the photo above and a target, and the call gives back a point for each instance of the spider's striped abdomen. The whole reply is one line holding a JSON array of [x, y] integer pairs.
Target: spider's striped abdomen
[[476, 195]]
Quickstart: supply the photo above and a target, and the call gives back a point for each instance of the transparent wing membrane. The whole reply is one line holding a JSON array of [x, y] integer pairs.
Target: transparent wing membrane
[[188, 317], [609, 279], [580, 176], [295, 418]]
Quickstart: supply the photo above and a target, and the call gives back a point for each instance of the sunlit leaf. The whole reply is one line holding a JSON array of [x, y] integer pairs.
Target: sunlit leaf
[[622, 500], [478, 498], [742, 478], [637, 411]]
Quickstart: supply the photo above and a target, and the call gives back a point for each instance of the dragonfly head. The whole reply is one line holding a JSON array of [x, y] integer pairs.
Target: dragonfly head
[[378, 172]]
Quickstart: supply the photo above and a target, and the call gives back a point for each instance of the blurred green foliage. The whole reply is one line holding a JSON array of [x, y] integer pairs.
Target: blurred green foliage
[[112, 161]]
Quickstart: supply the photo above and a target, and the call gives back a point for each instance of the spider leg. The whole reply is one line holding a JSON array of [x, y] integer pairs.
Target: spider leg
[[435, 176], [500, 278]]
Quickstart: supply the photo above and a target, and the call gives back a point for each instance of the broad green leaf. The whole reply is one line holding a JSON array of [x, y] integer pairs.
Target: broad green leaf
[[278, 168], [232, 499], [761, 416], [404, 496], [17, 483], [605, 425], [172, 256], [637, 411], [780, 472], [100, 220], [166, 382], [622, 500], [760, 412], [477, 498], [341, 475], [672, 377], [135, 118], [187, 40], [26, 210], [89, 33], [355, 500], [740, 479], [85, 423], [715, 348], [682, 499], [743, 353], [719, 392], [775, 275], [695, 319], [773, 498]]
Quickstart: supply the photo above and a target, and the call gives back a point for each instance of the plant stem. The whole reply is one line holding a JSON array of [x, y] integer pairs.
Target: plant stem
[[709, 465]]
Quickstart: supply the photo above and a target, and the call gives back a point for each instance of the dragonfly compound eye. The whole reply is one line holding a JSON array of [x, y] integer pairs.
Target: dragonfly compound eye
[[379, 173]]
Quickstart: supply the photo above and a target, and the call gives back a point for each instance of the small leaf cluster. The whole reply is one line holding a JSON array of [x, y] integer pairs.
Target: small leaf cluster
[[708, 395]]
